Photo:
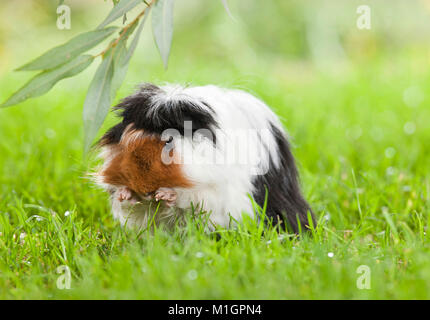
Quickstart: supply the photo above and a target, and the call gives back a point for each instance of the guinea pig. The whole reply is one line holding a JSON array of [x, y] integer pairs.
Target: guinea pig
[[219, 151]]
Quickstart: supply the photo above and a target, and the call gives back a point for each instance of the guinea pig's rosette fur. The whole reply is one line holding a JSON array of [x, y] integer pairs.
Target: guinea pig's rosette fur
[[216, 150]]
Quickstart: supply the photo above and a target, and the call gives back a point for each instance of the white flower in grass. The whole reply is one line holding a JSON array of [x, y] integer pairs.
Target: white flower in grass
[[67, 213], [330, 254]]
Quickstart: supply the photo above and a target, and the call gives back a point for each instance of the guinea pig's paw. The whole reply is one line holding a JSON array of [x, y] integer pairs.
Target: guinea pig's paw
[[166, 194], [124, 193]]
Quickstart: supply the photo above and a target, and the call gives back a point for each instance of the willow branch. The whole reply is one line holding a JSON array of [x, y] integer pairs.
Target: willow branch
[[124, 30]]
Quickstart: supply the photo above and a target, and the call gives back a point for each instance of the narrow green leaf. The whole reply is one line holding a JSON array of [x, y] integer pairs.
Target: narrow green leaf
[[120, 71], [136, 38], [391, 224], [119, 10], [162, 27], [98, 100], [71, 49], [122, 56], [45, 80]]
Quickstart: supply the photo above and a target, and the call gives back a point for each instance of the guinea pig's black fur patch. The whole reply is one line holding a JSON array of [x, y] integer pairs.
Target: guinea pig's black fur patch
[[285, 202], [146, 113]]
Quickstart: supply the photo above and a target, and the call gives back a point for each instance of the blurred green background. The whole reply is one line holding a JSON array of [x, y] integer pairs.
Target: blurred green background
[[355, 103], [347, 96]]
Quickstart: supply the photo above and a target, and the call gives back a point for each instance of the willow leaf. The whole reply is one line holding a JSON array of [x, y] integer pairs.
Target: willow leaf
[[119, 10], [71, 49], [98, 100], [122, 56], [45, 80], [162, 27]]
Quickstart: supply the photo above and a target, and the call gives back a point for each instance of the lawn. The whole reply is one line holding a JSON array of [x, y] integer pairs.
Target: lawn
[[361, 136]]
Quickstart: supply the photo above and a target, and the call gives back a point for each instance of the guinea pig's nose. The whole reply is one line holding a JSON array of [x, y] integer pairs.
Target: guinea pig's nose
[[148, 195]]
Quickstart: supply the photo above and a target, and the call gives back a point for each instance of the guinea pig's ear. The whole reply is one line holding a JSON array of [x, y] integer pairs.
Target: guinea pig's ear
[[168, 136], [170, 140]]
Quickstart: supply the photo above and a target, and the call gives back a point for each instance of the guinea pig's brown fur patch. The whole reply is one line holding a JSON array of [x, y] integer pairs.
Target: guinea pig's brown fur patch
[[138, 165]]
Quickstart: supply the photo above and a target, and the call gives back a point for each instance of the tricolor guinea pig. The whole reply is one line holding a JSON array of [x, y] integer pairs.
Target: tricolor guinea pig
[[219, 151]]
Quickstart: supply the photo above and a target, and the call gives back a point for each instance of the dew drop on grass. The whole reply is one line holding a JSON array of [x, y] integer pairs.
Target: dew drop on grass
[[377, 133], [192, 274], [390, 171], [406, 188], [409, 128], [354, 133], [390, 152], [50, 133], [413, 96]]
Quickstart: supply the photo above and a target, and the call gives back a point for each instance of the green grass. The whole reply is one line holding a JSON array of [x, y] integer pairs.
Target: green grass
[[361, 137]]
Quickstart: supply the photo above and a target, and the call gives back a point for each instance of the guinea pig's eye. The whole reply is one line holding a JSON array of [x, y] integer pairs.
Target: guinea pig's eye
[[170, 140]]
